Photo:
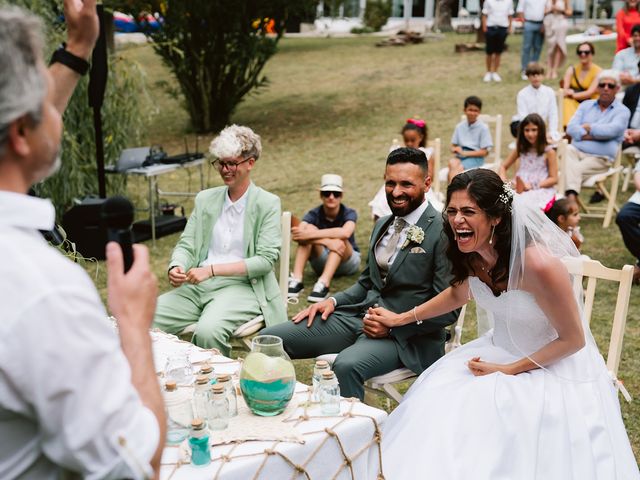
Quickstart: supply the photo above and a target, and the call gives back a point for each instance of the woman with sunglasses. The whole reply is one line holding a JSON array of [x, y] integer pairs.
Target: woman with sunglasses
[[326, 239], [580, 81]]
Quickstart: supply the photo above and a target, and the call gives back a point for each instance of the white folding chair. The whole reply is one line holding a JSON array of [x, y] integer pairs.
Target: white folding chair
[[630, 156], [436, 145], [387, 383], [242, 336], [610, 193], [593, 271]]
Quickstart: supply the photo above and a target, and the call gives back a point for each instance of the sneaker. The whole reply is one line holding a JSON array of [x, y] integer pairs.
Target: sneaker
[[320, 292], [487, 77], [597, 197], [295, 287], [495, 77]]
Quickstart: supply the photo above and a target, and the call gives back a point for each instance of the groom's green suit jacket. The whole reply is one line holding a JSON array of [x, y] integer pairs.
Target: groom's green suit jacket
[[262, 241], [418, 273]]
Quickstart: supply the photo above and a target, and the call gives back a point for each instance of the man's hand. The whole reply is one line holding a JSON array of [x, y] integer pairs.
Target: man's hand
[[626, 78], [479, 367], [177, 276], [382, 316], [300, 234], [326, 308], [83, 27], [198, 274], [632, 136], [373, 329], [132, 295], [587, 127], [457, 150]]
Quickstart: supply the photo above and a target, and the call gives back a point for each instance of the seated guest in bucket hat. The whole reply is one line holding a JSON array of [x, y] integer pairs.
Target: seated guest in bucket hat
[[326, 239]]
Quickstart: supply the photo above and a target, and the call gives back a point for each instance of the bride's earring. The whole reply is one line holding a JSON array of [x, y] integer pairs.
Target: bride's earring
[[493, 229]]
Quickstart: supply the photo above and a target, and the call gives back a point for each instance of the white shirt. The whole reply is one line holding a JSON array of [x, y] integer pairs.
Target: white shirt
[[411, 219], [65, 390], [227, 239], [532, 10], [541, 100], [498, 12]]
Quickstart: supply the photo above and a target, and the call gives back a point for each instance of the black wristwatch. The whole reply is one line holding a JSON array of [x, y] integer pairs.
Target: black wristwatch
[[75, 63]]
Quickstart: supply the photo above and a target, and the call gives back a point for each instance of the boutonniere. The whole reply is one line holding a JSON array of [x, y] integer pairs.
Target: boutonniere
[[415, 234]]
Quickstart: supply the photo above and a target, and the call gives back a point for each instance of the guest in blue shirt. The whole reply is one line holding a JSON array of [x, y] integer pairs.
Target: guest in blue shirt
[[626, 61], [471, 139], [597, 129], [326, 239]]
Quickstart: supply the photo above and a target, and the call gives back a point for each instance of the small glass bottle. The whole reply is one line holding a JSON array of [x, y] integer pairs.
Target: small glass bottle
[[329, 394], [179, 413], [219, 411], [321, 366], [199, 443], [207, 371], [201, 397], [178, 368], [230, 392]]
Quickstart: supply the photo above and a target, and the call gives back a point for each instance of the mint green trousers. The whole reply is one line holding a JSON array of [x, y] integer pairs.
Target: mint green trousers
[[218, 306]]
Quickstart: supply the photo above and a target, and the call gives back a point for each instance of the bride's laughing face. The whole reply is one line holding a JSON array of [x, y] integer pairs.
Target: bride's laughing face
[[470, 224]]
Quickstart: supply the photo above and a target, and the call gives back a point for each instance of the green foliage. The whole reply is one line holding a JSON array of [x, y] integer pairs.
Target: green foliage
[[121, 120], [377, 13], [216, 49], [360, 30]]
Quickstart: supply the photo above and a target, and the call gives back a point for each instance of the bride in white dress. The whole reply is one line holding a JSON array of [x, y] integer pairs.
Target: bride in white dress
[[531, 399]]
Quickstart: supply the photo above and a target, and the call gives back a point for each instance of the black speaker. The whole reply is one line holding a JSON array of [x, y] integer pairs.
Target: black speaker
[[84, 228]]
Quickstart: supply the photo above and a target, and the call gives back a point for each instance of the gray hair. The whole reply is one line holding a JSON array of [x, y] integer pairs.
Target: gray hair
[[236, 141], [23, 85], [610, 75]]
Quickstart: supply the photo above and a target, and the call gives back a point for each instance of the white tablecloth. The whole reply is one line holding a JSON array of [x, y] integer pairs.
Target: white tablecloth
[[345, 446]]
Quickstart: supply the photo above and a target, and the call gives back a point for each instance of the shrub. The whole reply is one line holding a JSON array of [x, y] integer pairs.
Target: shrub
[[377, 13]]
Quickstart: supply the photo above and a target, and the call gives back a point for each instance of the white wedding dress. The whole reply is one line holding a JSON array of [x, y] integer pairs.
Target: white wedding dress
[[533, 426]]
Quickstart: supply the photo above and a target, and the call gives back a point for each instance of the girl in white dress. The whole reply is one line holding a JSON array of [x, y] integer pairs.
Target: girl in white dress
[[532, 398]]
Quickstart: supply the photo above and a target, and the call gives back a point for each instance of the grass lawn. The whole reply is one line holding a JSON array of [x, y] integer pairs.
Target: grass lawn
[[334, 105]]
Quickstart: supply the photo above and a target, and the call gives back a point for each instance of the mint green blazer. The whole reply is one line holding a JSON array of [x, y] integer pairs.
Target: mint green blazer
[[262, 241]]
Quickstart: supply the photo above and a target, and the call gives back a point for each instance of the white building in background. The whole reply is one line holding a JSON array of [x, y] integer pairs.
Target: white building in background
[[416, 13]]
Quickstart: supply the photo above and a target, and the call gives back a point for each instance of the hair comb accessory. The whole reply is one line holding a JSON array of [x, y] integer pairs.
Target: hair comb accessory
[[417, 122], [549, 205], [507, 196]]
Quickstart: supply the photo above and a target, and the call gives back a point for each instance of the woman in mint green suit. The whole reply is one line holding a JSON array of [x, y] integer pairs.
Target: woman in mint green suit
[[222, 266]]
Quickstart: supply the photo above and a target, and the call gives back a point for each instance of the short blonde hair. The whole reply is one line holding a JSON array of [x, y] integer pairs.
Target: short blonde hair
[[236, 141]]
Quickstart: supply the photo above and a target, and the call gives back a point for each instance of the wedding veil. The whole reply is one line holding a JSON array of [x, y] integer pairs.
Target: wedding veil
[[530, 228]]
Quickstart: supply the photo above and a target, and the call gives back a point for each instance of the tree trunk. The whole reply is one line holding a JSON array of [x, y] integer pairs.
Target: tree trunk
[[443, 14]]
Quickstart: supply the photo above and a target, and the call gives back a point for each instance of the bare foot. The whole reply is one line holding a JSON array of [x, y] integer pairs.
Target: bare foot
[[519, 185]]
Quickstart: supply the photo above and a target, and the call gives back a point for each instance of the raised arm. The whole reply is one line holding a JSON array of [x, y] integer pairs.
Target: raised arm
[[82, 32]]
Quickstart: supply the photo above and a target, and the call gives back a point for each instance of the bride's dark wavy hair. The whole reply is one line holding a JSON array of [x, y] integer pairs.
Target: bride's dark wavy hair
[[485, 187]]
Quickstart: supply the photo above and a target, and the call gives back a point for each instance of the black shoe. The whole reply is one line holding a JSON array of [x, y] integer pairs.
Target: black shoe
[[295, 287], [597, 197], [319, 293]]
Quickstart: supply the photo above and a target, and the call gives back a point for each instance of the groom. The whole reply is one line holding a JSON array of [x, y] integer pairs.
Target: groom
[[406, 266]]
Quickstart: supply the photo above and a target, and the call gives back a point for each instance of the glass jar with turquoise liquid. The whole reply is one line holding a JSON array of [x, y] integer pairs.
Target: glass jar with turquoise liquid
[[267, 377]]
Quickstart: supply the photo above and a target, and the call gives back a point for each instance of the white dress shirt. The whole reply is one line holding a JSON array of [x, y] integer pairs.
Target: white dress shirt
[[411, 219], [532, 10], [66, 396], [541, 100], [227, 239], [498, 12]]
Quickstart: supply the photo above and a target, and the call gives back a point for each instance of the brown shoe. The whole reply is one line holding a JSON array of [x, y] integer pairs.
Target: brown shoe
[[636, 275]]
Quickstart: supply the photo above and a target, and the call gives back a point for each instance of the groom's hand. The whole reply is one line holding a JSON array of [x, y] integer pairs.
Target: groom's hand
[[326, 308], [374, 329]]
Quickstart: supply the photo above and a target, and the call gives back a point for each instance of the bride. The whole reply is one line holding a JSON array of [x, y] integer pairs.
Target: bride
[[532, 398]]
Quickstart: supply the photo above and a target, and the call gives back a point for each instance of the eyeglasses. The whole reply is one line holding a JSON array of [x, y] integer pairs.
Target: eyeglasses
[[328, 194], [608, 85], [231, 166], [584, 52]]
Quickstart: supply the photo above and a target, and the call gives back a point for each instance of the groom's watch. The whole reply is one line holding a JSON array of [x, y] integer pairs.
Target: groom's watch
[[335, 302]]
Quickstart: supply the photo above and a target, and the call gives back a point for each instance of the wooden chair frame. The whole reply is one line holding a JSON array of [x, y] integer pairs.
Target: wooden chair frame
[[593, 271]]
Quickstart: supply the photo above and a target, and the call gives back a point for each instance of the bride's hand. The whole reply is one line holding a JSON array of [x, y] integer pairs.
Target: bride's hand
[[383, 316], [479, 367]]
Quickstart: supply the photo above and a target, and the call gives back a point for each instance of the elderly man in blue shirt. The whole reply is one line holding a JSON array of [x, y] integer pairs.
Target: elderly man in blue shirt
[[597, 129]]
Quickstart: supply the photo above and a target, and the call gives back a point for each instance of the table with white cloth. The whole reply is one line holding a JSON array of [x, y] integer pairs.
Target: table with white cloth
[[299, 443]]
